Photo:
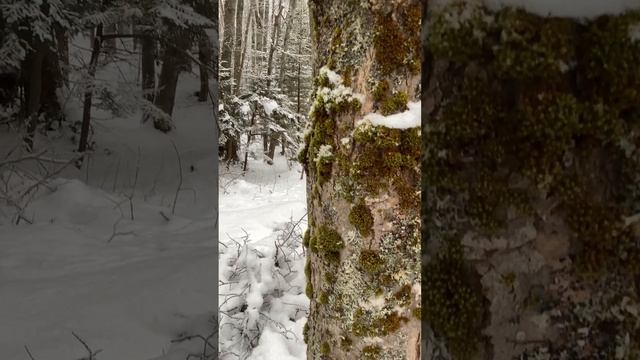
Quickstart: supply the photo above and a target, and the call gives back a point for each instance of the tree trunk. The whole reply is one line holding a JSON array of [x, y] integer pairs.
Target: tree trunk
[[363, 188], [284, 145], [148, 67], [237, 46], [265, 142], [52, 72], [110, 45], [33, 89], [273, 143], [62, 46], [299, 76], [285, 41], [88, 92], [529, 211], [274, 42], [226, 55], [204, 56], [174, 62], [231, 150], [245, 45]]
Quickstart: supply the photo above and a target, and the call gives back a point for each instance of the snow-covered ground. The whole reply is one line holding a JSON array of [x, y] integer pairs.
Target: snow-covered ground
[[262, 301], [79, 263]]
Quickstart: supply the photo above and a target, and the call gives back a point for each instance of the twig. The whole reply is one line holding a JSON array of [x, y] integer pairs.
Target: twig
[[29, 353], [135, 183], [175, 199], [92, 353]]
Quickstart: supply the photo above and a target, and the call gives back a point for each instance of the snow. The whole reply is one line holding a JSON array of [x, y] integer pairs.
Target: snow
[[127, 287], [405, 120], [266, 320], [269, 106], [573, 9], [333, 77], [324, 152]]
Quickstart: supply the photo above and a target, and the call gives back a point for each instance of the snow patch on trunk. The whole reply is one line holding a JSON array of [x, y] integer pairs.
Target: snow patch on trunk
[[405, 120]]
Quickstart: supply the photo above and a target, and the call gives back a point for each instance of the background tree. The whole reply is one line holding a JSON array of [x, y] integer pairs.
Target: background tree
[[364, 182], [532, 169], [262, 66]]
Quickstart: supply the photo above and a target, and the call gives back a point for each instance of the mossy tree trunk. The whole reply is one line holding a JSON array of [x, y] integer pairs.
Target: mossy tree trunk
[[363, 270], [531, 173]]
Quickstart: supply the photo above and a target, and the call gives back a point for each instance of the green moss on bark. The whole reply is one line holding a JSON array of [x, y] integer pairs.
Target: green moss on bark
[[361, 218]]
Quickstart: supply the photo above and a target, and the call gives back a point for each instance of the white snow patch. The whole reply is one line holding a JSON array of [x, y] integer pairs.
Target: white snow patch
[[405, 120], [324, 152], [245, 108], [333, 77], [269, 106]]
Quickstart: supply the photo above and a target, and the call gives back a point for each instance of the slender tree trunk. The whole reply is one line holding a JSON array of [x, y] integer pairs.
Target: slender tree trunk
[[265, 142], [88, 92], [285, 41], [363, 187], [299, 74], [274, 42], [273, 143], [284, 145], [237, 46], [226, 56], [245, 45], [231, 149], [204, 56], [148, 67], [54, 79], [33, 89], [62, 46]]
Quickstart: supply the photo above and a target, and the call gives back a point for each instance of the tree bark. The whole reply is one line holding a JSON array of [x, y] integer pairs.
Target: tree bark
[[238, 46], [88, 92], [231, 149], [273, 143], [204, 55], [173, 63], [285, 41], [148, 67], [226, 55], [33, 90], [274, 42], [527, 209], [363, 188]]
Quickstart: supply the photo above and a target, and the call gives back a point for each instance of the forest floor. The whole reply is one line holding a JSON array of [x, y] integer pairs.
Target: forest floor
[[262, 300], [80, 261]]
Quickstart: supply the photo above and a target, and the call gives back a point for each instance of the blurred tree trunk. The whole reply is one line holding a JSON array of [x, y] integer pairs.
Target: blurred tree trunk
[[174, 62], [33, 84], [531, 225], [88, 91]]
